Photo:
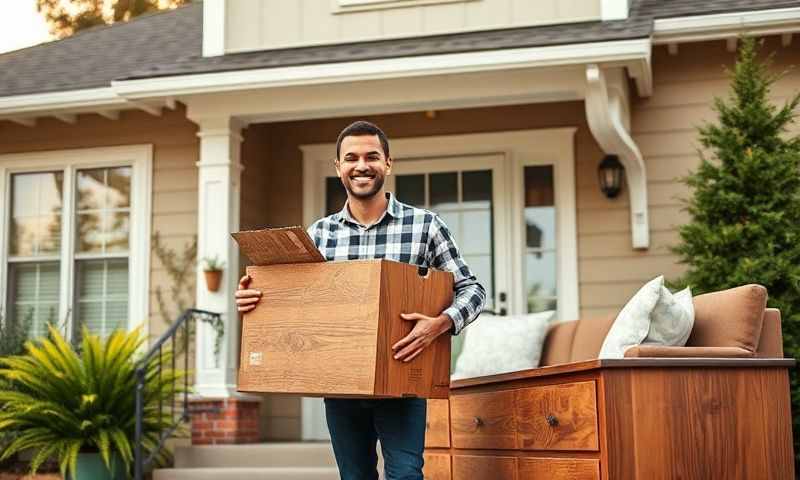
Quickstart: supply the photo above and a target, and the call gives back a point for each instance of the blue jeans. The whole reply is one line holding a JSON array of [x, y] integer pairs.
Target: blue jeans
[[356, 425]]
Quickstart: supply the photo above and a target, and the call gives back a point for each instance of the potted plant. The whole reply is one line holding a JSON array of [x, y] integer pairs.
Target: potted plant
[[80, 408], [212, 268]]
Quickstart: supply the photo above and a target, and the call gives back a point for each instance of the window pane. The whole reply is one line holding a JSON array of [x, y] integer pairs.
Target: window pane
[[90, 232], [443, 190], [477, 186], [103, 214], [410, 189], [119, 187], [540, 281], [102, 295], [33, 296], [335, 195], [36, 214], [540, 227], [91, 189], [539, 186]]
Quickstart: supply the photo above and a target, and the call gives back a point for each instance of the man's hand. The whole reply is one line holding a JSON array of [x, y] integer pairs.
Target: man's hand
[[423, 334], [246, 299]]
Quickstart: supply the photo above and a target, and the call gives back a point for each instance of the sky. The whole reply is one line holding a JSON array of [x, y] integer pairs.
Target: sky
[[21, 25]]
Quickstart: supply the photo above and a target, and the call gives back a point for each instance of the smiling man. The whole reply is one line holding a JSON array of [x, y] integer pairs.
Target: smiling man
[[373, 224]]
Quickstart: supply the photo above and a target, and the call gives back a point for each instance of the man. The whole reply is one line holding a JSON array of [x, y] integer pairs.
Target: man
[[373, 224]]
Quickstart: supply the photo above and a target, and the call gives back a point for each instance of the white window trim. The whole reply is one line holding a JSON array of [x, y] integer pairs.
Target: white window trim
[[140, 158], [521, 148]]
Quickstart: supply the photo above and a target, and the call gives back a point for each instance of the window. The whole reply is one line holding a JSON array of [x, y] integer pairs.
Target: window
[[76, 236]]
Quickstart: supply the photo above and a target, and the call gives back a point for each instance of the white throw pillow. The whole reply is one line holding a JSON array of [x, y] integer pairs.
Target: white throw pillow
[[672, 319], [633, 322], [666, 321], [495, 345]]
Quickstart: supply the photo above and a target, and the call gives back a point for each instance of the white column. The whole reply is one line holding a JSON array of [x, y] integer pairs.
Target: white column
[[218, 215]]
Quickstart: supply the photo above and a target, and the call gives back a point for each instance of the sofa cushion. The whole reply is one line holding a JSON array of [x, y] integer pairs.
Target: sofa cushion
[[502, 344], [558, 343], [588, 339], [770, 344], [684, 352], [729, 318]]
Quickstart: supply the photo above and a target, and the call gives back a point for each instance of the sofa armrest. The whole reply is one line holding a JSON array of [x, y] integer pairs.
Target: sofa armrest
[[673, 352]]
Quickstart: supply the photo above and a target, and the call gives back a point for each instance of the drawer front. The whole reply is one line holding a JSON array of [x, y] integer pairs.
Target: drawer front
[[437, 425], [437, 466], [473, 467], [483, 420], [559, 468], [557, 417]]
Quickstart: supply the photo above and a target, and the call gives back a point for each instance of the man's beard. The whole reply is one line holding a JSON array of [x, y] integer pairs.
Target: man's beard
[[377, 185]]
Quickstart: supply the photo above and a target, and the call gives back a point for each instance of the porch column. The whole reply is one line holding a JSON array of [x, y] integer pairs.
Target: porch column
[[218, 215]]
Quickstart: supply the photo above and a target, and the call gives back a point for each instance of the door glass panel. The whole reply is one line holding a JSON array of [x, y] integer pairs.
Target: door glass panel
[[443, 191], [410, 189], [541, 253]]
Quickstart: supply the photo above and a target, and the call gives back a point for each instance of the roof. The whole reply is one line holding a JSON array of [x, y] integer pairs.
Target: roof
[[169, 43]]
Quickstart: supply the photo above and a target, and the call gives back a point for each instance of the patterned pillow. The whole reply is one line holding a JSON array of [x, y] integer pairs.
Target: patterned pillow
[[502, 344]]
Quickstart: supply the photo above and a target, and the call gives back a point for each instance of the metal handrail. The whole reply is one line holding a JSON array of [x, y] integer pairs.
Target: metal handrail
[[183, 322]]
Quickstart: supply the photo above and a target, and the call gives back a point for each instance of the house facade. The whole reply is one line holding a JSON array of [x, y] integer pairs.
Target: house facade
[[223, 115]]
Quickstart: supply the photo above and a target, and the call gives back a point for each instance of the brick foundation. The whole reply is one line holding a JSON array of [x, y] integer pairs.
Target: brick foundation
[[225, 421]]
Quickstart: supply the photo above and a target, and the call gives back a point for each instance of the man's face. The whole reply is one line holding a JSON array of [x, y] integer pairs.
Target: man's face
[[362, 165]]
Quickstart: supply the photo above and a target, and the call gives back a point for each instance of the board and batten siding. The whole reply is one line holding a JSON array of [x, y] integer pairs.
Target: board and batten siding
[[268, 24], [174, 181]]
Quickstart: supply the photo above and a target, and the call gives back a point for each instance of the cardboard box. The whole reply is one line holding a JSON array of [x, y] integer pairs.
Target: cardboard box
[[327, 328]]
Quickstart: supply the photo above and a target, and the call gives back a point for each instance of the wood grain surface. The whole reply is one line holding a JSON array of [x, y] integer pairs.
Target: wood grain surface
[[314, 331], [557, 417], [484, 420], [326, 329], [484, 467], [403, 290], [436, 467], [437, 424], [558, 469]]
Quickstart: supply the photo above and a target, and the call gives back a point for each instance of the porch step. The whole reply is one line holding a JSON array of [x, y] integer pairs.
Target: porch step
[[256, 455], [248, 473]]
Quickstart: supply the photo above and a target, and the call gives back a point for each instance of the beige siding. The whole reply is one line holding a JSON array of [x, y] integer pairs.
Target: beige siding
[[266, 24], [175, 151]]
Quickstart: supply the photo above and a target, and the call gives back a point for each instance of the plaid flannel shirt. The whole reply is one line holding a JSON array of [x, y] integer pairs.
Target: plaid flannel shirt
[[404, 234]]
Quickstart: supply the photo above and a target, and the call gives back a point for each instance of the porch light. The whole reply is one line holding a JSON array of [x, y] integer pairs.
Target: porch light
[[610, 175]]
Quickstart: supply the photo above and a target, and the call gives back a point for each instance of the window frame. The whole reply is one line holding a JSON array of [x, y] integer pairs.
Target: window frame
[[140, 159], [346, 6]]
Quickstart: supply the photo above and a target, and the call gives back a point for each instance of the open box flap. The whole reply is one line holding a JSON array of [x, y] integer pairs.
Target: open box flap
[[273, 246]]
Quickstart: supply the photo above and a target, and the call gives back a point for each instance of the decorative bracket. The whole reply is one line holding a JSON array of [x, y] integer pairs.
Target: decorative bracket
[[608, 114]]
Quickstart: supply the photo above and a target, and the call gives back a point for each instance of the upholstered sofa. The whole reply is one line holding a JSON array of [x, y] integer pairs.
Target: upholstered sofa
[[732, 323]]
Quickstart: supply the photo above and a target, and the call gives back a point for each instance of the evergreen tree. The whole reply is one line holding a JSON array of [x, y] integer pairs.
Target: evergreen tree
[[745, 201]]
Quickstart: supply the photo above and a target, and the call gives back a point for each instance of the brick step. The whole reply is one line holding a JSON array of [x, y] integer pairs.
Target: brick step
[[248, 473]]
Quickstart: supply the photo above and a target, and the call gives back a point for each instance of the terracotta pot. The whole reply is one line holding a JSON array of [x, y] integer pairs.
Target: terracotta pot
[[213, 278]]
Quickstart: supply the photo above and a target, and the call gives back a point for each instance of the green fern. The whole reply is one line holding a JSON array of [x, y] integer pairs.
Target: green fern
[[63, 403]]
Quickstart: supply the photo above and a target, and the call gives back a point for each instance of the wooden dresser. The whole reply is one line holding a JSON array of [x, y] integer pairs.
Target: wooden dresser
[[644, 419]]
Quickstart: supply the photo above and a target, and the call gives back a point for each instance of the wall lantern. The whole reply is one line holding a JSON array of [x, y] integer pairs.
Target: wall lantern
[[610, 174]]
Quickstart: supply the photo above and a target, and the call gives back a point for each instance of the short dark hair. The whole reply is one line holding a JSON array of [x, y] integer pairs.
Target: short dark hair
[[360, 128]]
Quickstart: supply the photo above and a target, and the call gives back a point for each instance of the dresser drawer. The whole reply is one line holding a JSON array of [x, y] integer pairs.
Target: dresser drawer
[[557, 417], [549, 417], [437, 424], [474, 467], [437, 466], [559, 468], [483, 420]]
